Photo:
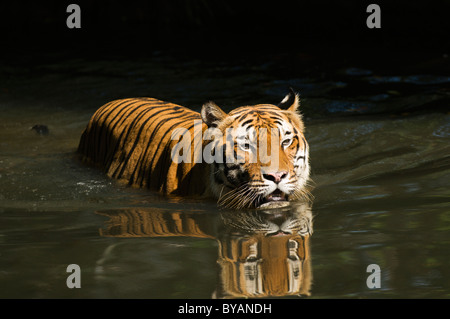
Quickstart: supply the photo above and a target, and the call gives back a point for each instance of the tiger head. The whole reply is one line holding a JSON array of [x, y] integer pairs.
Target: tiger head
[[261, 155]]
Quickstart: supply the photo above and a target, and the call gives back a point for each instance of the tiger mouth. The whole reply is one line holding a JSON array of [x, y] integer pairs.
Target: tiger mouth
[[275, 199]]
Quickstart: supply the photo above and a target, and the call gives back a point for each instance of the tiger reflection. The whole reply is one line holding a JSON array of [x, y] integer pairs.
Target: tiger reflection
[[261, 253]]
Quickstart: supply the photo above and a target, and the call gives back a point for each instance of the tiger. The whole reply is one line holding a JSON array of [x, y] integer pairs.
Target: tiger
[[133, 140]]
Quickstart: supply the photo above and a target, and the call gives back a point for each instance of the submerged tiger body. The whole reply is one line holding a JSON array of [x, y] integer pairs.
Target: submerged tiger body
[[134, 140], [131, 140]]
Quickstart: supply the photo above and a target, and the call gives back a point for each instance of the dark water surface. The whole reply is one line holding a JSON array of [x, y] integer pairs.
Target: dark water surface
[[380, 158]]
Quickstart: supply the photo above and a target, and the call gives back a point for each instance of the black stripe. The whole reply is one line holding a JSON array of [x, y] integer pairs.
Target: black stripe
[[111, 130], [130, 128], [96, 120], [136, 140], [298, 144], [109, 156], [144, 154], [268, 107], [141, 160], [107, 107], [140, 163], [243, 117], [246, 122], [189, 117], [119, 123], [271, 112], [217, 178], [165, 162], [245, 110], [304, 141], [119, 140]]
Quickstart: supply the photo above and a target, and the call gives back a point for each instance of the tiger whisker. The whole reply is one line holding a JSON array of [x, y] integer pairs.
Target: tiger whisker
[[243, 195], [230, 193], [302, 193], [234, 195], [252, 198]]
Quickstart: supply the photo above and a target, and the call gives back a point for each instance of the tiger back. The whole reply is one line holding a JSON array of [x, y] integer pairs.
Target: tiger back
[[131, 140]]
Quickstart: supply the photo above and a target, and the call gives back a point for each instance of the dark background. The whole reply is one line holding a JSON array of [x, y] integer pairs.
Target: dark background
[[287, 41], [212, 27]]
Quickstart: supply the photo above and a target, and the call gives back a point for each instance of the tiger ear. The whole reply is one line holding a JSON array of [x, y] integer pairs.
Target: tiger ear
[[291, 102], [212, 114]]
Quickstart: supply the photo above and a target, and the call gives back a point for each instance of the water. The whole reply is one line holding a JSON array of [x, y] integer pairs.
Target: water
[[381, 188]]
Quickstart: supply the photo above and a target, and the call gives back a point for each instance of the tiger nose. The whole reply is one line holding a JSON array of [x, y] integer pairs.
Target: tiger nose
[[275, 177]]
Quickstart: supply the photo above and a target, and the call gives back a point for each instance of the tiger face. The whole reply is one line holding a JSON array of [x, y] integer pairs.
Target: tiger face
[[266, 156]]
